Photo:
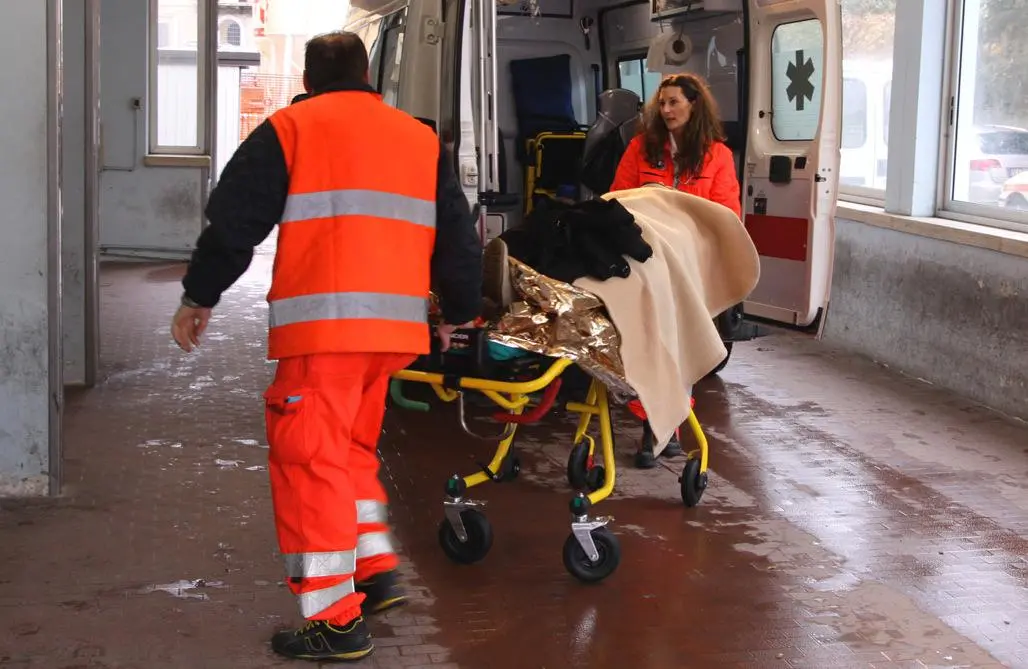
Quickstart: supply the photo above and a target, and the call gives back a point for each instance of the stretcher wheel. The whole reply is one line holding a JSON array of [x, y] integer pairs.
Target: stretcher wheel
[[480, 538], [596, 477], [580, 474], [584, 569], [578, 466], [510, 468], [693, 483]]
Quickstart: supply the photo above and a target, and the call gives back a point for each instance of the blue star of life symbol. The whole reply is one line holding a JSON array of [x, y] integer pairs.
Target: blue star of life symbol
[[799, 74]]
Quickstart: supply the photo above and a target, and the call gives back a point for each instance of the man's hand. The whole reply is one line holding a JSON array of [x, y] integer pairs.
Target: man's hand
[[188, 325], [445, 330]]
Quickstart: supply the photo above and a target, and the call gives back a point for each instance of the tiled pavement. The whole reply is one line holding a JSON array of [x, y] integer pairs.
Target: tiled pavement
[[854, 519]]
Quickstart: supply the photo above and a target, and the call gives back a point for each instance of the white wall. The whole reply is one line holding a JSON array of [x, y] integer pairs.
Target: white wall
[[951, 314], [24, 369], [149, 208]]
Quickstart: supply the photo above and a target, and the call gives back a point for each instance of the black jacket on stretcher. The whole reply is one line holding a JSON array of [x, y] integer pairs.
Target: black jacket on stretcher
[[248, 202]]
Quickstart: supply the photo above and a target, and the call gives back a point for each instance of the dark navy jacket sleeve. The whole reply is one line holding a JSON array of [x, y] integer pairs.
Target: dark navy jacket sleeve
[[242, 211], [457, 259]]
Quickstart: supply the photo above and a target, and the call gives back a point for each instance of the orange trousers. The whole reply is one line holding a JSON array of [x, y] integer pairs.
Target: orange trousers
[[324, 416]]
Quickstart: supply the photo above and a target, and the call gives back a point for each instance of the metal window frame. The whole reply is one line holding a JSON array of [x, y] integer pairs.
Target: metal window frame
[[947, 207]]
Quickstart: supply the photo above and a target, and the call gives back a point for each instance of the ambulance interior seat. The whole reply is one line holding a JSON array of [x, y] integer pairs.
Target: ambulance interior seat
[[544, 106], [542, 97], [617, 118]]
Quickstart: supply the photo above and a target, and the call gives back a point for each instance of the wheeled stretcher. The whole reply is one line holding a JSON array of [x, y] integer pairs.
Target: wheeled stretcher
[[526, 386]]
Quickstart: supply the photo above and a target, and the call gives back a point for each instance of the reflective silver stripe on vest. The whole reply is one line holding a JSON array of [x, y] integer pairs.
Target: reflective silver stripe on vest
[[371, 511], [314, 602], [347, 306], [310, 565], [372, 544], [353, 202]]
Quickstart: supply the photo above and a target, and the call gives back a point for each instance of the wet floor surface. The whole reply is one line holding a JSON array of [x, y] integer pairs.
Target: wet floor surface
[[854, 518]]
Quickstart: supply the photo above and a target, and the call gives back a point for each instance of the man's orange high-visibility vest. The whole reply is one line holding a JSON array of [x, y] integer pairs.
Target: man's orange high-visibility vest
[[352, 270]]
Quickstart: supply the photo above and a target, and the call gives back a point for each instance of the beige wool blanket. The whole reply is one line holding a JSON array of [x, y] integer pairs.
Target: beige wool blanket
[[703, 263]]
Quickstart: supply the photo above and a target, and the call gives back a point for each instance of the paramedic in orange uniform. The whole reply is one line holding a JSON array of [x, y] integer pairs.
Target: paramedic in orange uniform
[[369, 212], [682, 145]]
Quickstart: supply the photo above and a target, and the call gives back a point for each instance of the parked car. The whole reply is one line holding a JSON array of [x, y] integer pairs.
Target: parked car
[[1014, 193], [997, 154]]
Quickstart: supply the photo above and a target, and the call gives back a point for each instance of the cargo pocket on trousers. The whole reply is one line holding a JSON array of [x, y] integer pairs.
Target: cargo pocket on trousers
[[291, 425]]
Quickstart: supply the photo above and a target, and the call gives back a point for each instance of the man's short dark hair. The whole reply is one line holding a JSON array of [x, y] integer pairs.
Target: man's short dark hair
[[335, 57]]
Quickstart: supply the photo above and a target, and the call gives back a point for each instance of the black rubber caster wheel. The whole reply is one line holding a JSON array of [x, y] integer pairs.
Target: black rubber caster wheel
[[510, 469], [595, 478], [724, 363], [578, 467], [584, 569], [693, 483], [480, 538]]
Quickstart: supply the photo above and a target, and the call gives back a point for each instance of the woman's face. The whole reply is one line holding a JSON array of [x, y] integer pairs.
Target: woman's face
[[675, 109]]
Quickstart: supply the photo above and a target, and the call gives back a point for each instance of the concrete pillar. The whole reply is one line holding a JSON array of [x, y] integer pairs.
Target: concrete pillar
[[80, 138], [30, 267], [73, 192]]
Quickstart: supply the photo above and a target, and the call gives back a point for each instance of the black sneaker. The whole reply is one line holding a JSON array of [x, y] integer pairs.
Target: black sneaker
[[673, 448], [644, 458], [381, 593], [320, 641]]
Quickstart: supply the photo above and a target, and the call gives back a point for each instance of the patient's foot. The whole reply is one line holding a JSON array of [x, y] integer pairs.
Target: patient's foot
[[673, 448], [644, 458], [496, 285]]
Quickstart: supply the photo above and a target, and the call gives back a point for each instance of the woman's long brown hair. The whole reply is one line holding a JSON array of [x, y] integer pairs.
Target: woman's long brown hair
[[701, 130]]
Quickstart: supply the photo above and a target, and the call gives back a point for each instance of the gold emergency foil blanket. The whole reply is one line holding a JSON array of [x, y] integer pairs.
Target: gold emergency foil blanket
[[558, 320]]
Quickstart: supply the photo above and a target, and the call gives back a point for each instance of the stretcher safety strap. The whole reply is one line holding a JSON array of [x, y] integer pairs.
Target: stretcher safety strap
[[313, 565], [371, 511], [356, 202], [347, 306], [372, 544], [314, 602]]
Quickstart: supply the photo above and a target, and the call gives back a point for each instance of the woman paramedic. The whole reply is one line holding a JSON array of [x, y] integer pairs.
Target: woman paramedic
[[681, 144]]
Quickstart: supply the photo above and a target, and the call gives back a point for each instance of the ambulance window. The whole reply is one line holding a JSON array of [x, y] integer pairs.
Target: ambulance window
[[854, 113], [796, 73], [392, 52], [630, 75], [383, 37], [633, 75], [375, 51]]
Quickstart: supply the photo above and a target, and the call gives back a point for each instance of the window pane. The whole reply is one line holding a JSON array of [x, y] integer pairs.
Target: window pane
[[392, 52], [854, 113], [178, 75], [650, 82], [868, 35], [886, 110], [991, 115], [796, 56], [630, 76]]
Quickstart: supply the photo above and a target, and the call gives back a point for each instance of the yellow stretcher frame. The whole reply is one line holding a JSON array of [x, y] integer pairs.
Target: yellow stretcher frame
[[589, 541], [534, 147]]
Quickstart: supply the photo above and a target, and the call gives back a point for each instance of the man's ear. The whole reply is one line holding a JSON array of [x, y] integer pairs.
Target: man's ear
[[306, 86]]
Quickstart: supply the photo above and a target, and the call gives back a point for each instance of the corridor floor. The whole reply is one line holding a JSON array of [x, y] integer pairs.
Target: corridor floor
[[854, 518]]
